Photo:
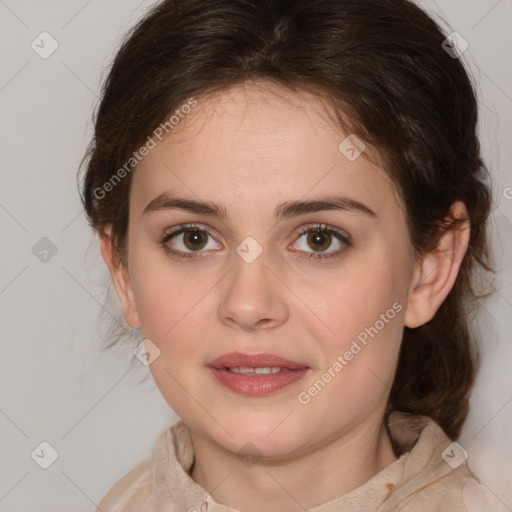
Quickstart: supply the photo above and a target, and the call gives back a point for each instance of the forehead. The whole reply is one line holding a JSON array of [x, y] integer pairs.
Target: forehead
[[253, 144]]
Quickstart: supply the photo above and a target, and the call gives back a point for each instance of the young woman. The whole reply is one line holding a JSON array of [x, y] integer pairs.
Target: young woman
[[292, 205]]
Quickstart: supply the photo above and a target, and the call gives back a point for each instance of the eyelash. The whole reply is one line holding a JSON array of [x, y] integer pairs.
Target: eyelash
[[320, 228]]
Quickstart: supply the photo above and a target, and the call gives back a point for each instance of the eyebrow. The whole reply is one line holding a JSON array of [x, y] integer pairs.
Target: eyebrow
[[288, 209]]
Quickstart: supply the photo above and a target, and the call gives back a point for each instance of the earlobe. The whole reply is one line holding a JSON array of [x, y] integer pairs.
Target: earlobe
[[435, 273], [120, 279]]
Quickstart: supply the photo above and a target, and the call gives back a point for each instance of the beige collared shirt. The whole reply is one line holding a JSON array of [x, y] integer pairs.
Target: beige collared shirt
[[428, 476]]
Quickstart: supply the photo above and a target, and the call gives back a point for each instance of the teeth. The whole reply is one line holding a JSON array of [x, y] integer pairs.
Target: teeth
[[267, 370]]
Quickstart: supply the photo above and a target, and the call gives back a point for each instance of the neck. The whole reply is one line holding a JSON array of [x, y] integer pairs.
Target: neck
[[338, 466]]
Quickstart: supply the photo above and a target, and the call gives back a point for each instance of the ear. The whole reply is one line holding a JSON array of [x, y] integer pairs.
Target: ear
[[436, 272], [120, 278]]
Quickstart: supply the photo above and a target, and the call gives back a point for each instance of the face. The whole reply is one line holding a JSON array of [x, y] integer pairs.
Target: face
[[324, 286]]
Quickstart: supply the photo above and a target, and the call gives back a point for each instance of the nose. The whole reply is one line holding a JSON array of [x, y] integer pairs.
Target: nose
[[253, 296]]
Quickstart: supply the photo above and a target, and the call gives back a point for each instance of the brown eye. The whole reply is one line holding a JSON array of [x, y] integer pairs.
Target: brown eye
[[189, 239], [321, 239], [195, 239]]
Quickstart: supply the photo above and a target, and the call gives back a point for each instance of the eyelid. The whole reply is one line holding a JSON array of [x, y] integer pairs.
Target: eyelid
[[323, 227], [177, 230], [197, 226]]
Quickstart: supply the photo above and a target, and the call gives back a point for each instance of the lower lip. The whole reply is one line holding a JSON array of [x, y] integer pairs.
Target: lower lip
[[252, 385]]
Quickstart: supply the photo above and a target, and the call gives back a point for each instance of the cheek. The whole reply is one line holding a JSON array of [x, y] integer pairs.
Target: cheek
[[360, 334], [359, 357], [173, 308], [172, 312], [355, 300], [167, 299]]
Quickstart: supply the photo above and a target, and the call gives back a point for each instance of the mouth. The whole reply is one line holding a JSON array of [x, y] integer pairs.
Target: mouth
[[256, 375]]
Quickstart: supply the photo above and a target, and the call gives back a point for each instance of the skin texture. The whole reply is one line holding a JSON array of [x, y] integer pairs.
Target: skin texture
[[249, 149]]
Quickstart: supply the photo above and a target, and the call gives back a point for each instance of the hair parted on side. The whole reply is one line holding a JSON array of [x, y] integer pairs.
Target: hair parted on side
[[380, 64]]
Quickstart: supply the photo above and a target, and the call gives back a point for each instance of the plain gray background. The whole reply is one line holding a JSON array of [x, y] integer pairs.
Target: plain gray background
[[55, 385]]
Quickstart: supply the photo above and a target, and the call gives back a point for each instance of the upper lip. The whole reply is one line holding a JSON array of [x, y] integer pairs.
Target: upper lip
[[237, 359]]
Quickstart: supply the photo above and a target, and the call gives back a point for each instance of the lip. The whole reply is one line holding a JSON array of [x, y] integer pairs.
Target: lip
[[252, 385], [254, 360]]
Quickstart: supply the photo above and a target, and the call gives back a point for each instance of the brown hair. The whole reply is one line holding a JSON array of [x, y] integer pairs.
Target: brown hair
[[379, 62]]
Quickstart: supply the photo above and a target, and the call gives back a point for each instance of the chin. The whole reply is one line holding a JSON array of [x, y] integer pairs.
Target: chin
[[272, 439]]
